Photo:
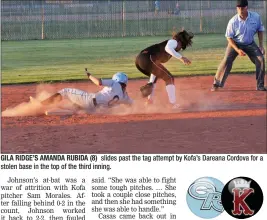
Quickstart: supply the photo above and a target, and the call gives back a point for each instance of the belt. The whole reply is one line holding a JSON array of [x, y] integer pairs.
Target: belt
[[94, 101]]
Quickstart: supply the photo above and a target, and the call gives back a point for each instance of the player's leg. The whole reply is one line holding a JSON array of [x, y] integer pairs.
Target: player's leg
[[161, 72], [152, 80], [144, 65], [59, 96], [257, 58], [224, 68], [56, 98], [81, 99]]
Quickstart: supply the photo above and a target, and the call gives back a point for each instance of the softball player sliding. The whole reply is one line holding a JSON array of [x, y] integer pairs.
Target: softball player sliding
[[114, 92]]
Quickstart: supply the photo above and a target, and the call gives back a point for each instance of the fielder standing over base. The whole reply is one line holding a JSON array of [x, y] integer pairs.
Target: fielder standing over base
[[240, 36], [113, 93], [149, 62]]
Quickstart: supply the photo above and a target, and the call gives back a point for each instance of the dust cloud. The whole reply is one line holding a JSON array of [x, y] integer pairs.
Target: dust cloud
[[33, 107], [189, 98]]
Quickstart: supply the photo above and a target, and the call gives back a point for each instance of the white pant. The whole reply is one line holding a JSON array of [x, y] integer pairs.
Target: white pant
[[79, 97]]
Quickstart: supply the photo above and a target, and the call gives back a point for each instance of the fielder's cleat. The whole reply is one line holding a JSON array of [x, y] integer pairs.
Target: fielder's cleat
[[214, 88], [261, 89], [149, 102], [176, 106]]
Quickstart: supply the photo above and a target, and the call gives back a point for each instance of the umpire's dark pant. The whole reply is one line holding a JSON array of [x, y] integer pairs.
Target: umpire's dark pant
[[255, 55]]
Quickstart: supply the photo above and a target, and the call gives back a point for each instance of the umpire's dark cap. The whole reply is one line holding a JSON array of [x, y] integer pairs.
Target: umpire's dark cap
[[241, 3]]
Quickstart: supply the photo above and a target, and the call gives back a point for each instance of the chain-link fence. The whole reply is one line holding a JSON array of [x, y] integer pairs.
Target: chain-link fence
[[58, 19]]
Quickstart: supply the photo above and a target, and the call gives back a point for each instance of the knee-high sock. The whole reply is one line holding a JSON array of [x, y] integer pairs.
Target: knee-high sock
[[151, 80], [171, 93]]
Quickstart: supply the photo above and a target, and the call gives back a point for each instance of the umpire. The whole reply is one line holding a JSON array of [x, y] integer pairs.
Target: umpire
[[240, 36]]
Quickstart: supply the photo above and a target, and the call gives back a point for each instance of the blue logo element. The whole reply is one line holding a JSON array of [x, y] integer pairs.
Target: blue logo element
[[204, 197]]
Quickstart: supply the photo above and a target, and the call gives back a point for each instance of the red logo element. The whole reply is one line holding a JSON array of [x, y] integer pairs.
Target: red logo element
[[239, 201]]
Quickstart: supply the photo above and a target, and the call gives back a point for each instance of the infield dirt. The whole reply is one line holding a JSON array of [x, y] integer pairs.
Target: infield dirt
[[232, 120]]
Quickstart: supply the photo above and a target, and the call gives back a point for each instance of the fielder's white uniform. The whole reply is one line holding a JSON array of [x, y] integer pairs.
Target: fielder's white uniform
[[111, 94]]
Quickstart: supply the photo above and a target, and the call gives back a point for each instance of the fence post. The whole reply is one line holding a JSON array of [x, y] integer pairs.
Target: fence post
[[138, 8], [201, 17], [43, 21], [123, 19]]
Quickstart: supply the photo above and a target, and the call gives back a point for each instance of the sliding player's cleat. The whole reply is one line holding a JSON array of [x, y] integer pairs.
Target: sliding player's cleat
[[176, 107]]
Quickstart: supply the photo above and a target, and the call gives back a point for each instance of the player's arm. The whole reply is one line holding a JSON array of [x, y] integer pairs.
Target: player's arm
[[127, 100], [260, 36], [261, 30], [233, 45], [170, 49], [95, 80], [229, 34]]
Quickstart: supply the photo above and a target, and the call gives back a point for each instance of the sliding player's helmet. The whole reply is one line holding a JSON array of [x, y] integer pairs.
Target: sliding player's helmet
[[120, 77]]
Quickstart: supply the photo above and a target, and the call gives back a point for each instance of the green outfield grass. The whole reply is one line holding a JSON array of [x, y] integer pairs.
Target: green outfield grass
[[61, 60]]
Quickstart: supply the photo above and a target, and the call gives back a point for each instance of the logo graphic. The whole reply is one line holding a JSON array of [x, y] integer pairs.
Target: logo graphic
[[204, 197], [242, 197]]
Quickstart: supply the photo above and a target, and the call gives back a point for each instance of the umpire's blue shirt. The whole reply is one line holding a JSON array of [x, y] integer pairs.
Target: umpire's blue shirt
[[242, 32]]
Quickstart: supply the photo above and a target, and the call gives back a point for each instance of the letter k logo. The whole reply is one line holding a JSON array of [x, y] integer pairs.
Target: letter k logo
[[239, 201], [242, 197]]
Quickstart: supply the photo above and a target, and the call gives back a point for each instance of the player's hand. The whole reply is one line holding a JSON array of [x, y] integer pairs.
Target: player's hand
[[185, 61], [241, 52], [87, 73], [262, 50]]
